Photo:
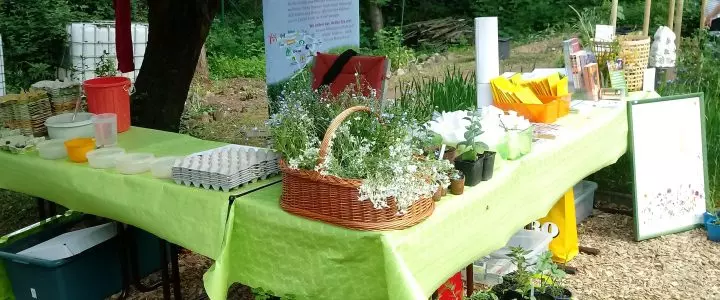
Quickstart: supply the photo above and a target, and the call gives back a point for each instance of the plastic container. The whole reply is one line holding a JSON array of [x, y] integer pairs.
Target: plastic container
[[92, 274], [713, 231], [78, 148], [61, 127], [536, 242], [135, 163], [516, 143], [52, 149], [105, 129], [104, 158], [162, 167], [585, 200], [110, 95]]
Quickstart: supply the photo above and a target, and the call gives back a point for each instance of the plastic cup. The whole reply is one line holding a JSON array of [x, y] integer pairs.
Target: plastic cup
[[105, 129], [77, 149]]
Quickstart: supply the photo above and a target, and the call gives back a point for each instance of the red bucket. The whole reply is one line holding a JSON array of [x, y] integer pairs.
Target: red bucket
[[110, 95], [451, 289]]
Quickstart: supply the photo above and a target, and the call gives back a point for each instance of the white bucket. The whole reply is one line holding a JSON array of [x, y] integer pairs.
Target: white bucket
[[60, 126]]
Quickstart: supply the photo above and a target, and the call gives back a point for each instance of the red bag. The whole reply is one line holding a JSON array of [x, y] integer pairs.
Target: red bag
[[370, 72]]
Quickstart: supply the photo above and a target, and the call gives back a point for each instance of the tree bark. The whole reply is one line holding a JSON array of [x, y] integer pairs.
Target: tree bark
[[375, 15], [202, 71], [177, 32]]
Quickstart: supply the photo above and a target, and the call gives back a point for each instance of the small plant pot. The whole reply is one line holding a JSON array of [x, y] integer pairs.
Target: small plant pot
[[709, 217], [511, 295], [473, 170], [450, 154], [488, 165], [437, 195], [567, 295], [457, 187], [444, 191], [713, 231]]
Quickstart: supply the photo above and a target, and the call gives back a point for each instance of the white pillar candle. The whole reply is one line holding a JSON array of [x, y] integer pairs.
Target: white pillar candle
[[487, 60]]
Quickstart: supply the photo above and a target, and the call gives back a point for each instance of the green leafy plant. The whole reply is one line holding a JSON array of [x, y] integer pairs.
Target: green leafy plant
[[521, 280], [469, 149], [483, 295], [389, 42], [551, 276], [456, 175], [105, 67], [452, 92]]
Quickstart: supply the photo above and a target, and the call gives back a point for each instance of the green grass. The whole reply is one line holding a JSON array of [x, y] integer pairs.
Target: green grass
[[16, 211], [451, 92]]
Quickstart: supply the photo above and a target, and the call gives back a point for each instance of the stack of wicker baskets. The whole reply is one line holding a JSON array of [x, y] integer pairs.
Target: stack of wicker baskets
[[26, 111], [635, 51], [334, 200], [63, 95]]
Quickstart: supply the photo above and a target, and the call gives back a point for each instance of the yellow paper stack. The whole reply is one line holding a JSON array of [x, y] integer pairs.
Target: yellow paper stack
[[518, 90]]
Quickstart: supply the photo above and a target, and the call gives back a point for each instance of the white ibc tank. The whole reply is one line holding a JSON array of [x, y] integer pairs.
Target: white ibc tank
[[90, 41], [2, 69]]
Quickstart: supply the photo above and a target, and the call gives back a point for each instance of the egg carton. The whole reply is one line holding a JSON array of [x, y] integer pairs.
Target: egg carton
[[226, 167]]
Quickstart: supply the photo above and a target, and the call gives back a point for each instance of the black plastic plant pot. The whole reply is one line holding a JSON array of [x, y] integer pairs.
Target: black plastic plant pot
[[567, 295], [473, 170], [511, 295], [488, 165]]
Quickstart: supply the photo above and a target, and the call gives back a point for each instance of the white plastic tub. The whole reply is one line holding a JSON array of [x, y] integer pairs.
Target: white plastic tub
[[61, 127], [584, 200], [134, 163], [162, 167], [52, 149], [104, 158], [536, 242]]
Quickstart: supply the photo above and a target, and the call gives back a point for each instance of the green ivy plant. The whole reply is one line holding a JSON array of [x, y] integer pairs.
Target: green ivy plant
[[469, 149]]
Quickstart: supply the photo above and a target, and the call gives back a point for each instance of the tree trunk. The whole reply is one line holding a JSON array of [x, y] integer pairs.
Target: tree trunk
[[202, 71], [177, 32], [375, 15]]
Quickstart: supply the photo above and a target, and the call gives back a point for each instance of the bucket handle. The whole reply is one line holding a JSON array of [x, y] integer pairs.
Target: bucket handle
[[129, 88]]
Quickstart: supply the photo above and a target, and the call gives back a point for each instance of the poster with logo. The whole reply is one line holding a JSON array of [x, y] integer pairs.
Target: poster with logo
[[295, 30], [669, 164]]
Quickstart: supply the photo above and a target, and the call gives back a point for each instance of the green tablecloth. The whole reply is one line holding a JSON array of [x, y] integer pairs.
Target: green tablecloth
[[193, 218], [268, 248]]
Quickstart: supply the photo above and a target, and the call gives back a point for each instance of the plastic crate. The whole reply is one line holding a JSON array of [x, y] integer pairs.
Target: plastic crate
[[92, 274], [535, 242], [585, 200]]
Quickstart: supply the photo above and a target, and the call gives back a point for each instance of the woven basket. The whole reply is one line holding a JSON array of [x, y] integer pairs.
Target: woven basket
[[334, 200], [635, 51]]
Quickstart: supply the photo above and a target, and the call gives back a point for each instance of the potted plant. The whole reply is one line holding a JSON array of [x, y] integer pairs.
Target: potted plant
[[551, 277], [483, 295], [457, 182], [488, 165], [713, 230], [518, 284], [471, 153]]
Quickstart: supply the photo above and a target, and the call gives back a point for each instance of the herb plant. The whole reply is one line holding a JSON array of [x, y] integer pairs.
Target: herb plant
[[105, 67], [469, 149], [383, 148]]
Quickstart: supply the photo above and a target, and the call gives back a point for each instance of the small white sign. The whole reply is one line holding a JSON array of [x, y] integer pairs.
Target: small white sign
[[604, 33], [649, 80]]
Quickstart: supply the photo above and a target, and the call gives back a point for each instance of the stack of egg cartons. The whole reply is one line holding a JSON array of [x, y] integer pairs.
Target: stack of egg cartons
[[226, 168]]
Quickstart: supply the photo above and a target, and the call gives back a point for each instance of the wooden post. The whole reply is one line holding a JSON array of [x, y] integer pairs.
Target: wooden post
[[613, 14], [678, 24], [646, 21], [671, 13], [702, 14]]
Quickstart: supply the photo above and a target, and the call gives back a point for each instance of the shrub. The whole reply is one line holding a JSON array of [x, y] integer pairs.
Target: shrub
[[389, 42], [224, 67]]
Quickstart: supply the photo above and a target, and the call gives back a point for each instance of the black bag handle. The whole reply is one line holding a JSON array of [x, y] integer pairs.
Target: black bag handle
[[337, 66]]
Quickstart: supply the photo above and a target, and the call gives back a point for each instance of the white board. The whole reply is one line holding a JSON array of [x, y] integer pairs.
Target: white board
[[668, 148], [295, 30]]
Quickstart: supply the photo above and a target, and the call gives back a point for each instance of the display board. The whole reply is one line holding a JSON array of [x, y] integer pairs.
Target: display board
[[667, 136], [297, 29]]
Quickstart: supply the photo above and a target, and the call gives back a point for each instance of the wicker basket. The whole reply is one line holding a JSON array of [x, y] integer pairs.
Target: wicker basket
[[334, 200], [635, 51]]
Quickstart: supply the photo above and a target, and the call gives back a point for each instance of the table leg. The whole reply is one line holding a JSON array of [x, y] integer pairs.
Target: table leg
[[175, 271], [165, 275], [469, 281], [52, 208], [42, 215], [123, 259]]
